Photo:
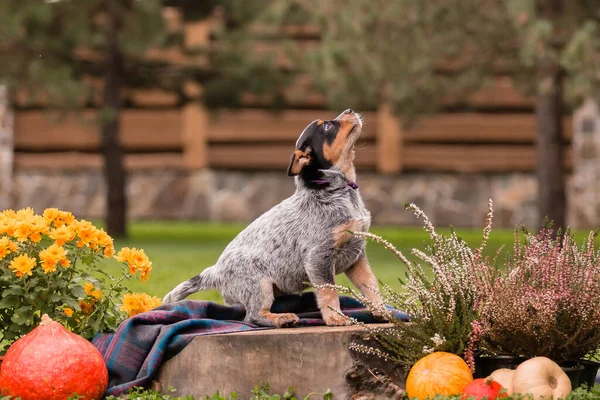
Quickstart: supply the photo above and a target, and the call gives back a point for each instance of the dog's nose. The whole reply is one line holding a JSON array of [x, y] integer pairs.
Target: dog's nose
[[349, 111]]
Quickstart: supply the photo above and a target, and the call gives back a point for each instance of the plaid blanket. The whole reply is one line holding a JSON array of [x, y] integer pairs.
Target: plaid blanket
[[134, 353]]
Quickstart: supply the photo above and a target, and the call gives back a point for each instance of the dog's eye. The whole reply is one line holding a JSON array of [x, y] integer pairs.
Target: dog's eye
[[328, 126]]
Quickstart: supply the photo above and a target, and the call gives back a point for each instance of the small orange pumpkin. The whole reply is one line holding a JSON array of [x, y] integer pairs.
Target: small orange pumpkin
[[438, 373]]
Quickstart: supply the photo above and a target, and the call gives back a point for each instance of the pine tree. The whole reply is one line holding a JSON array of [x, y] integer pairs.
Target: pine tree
[[413, 54], [48, 46]]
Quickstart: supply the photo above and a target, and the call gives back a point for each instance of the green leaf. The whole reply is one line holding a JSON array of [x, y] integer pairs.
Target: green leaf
[[10, 301], [78, 292]]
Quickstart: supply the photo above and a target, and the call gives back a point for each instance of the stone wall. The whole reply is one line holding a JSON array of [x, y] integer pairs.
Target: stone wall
[[213, 195], [218, 195]]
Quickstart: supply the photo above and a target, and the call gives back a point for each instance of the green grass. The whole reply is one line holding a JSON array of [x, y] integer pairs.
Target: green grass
[[180, 250]]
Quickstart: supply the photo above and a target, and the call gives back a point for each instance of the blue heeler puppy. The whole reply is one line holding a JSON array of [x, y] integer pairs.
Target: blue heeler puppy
[[302, 239]]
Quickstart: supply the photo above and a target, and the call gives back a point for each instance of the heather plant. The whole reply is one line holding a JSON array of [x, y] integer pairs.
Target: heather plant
[[546, 302], [442, 298], [50, 264]]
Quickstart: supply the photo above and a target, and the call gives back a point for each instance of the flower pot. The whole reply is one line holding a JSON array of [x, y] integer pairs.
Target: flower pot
[[575, 372], [588, 375], [484, 366]]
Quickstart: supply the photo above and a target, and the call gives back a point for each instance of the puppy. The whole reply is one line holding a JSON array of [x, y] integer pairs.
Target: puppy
[[302, 239]]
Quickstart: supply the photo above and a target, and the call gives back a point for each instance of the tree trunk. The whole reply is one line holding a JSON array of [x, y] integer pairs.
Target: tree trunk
[[550, 155], [114, 170]]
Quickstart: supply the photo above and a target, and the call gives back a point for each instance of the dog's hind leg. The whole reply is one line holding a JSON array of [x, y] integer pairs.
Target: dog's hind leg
[[199, 282], [258, 308]]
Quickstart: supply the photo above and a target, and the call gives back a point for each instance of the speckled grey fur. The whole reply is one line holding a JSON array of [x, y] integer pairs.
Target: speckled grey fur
[[291, 244]]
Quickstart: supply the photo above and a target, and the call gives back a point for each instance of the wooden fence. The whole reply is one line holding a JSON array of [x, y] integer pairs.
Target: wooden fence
[[193, 138], [159, 132]]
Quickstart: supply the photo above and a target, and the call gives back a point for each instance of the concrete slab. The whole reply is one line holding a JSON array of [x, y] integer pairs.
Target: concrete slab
[[311, 359]]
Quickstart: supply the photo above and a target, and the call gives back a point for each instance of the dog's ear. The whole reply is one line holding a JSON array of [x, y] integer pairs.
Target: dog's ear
[[300, 159]]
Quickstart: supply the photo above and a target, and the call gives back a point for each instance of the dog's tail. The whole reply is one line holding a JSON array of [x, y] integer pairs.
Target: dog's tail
[[200, 282]]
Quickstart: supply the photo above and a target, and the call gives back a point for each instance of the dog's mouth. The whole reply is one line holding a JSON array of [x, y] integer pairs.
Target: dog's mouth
[[350, 117]]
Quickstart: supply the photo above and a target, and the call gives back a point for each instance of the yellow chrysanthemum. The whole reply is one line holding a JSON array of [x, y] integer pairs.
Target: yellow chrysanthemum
[[86, 308], [50, 214], [88, 287], [13, 246], [62, 235], [109, 251], [68, 312], [65, 262], [123, 254], [9, 214], [67, 217], [8, 226], [23, 231], [24, 214], [22, 265], [97, 294], [4, 249], [38, 224], [137, 303], [35, 237], [48, 266]]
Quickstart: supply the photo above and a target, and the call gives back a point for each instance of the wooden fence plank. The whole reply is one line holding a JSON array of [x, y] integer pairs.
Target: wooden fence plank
[[271, 157], [477, 128], [265, 126], [472, 158], [79, 161], [141, 130]]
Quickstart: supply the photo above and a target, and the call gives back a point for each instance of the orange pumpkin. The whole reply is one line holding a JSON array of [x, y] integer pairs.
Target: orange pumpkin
[[438, 373], [51, 363]]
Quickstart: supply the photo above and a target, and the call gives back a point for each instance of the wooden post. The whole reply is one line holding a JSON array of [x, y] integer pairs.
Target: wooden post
[[389, 141], [6, 148], [195, 126]]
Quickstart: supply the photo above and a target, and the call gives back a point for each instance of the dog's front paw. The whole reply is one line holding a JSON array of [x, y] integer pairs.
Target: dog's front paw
[[285, 320], [334, 319], [378, 316]]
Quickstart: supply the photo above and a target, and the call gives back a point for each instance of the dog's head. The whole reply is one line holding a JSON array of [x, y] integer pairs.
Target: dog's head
[[325, 144]]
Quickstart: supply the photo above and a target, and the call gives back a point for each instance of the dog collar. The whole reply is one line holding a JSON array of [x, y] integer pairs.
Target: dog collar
[[353, 185]]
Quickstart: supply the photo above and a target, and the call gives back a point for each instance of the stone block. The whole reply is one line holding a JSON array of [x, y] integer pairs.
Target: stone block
[[311, 359]]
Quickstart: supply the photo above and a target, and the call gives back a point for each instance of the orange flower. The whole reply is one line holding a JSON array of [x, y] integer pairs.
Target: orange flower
[[68, 312], [97, 294], [48, 266], [52, 256], [8, 226], [22, 232], [86, 308], [137, 303], [50, 214], [22, 265], [65, 263], [13, 246], [5, 247], [35, 237], [109, 251], [67, 217], [62, 235], [88, 287]]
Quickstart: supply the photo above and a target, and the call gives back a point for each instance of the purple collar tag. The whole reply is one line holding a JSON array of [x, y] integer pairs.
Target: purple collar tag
[[353, 185]]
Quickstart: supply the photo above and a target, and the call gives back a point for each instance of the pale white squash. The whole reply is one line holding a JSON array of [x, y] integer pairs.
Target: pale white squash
[[504, 376], [542, 378]]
